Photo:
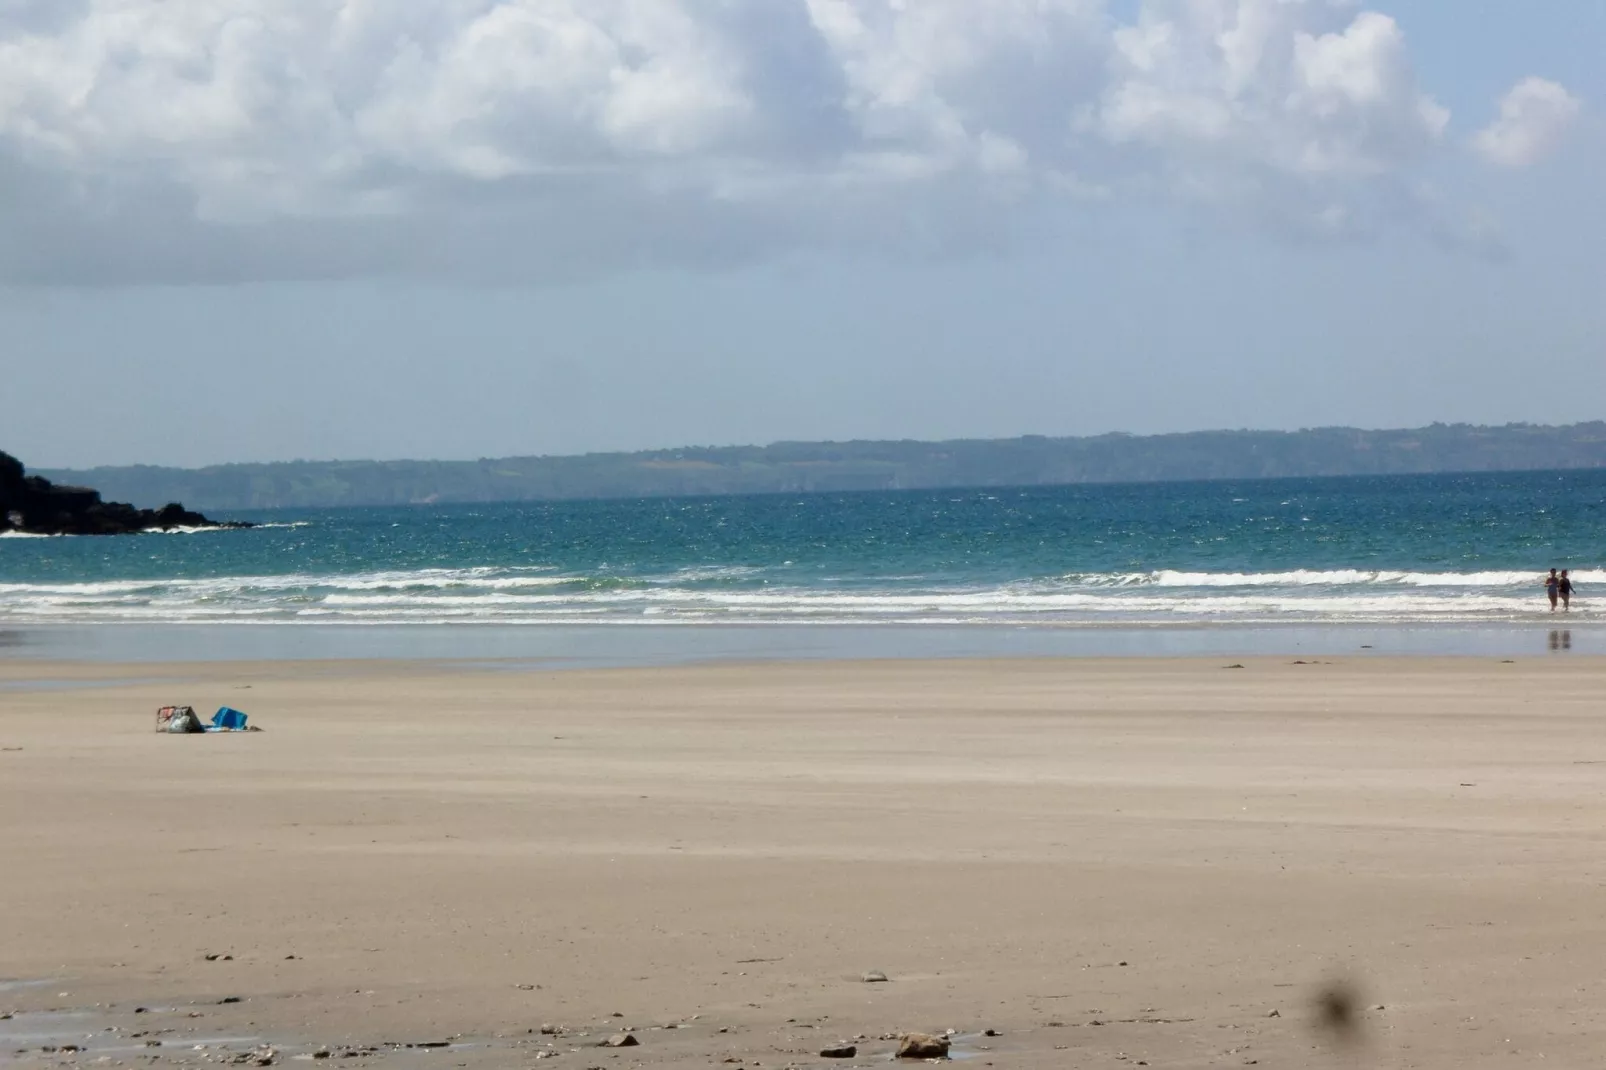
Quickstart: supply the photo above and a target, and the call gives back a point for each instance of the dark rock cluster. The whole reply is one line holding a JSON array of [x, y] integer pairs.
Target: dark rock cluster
[[35, 505]]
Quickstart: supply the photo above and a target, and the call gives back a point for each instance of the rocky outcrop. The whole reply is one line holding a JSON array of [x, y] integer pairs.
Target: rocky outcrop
[[35, 505]]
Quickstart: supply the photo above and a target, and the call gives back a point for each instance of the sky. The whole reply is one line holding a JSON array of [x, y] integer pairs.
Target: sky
[[247, 230]]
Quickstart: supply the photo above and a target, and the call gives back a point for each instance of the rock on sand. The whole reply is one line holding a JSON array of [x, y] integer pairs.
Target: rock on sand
[[922, 1046]]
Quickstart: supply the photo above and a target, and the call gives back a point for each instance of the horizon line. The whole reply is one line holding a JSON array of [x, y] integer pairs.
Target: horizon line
[[778, 443]]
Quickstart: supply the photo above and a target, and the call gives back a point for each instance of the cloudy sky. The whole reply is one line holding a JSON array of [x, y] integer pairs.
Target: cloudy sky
[[270, 229]]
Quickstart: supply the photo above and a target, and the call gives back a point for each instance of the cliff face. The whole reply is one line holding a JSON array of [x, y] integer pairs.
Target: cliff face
[[35, 505]]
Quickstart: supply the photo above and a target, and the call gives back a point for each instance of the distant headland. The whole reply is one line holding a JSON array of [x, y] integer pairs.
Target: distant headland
[[36, 506], [803, 467]]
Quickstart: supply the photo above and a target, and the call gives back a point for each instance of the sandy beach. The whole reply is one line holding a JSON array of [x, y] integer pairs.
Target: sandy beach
[[1106, 862]]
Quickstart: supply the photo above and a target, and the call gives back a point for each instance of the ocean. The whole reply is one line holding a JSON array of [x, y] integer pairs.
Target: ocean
[[1414, 550]]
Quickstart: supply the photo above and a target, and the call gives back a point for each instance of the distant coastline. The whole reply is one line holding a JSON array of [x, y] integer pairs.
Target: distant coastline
[[805, 467]]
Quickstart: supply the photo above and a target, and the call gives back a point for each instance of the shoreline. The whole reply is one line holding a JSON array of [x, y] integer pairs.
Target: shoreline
[[578, 646]]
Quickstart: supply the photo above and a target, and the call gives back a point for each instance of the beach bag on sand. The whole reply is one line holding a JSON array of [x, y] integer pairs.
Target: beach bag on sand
[[228, 720], [178, 720]]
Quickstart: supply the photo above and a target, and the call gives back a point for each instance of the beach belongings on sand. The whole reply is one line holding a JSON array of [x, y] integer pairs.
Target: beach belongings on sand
[[228, 720], [178, 720], [182, 720]]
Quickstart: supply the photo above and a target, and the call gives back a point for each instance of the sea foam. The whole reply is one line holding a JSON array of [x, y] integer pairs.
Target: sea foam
[[748, 594]]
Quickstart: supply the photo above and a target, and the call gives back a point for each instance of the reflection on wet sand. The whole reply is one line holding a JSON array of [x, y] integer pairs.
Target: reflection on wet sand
[[1561, 639]]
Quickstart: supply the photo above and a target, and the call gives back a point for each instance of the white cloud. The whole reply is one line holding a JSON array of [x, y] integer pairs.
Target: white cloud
[[1533, 118], [1253, 84], [193, 138]]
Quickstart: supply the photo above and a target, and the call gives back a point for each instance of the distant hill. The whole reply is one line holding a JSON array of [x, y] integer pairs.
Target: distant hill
[[802, 467]]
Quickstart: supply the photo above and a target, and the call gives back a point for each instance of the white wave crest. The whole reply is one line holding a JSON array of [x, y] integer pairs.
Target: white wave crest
[[180, 530], [536, 594], [1330, 578]]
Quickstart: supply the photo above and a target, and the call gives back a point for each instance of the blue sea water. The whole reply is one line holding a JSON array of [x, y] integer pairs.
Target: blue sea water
[[1388, 550]]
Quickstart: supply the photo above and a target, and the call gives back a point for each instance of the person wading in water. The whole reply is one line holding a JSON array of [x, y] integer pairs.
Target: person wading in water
[[1564, 587], [1553, 588]]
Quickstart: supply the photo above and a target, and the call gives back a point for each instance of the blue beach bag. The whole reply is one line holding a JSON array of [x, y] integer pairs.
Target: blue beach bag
[[228, 720]]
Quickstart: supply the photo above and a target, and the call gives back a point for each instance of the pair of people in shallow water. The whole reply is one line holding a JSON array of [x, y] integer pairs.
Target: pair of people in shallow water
[[1559, 589]]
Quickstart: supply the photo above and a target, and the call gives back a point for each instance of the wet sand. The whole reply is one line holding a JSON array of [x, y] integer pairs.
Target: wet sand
[[1108, 862], [641, 645]]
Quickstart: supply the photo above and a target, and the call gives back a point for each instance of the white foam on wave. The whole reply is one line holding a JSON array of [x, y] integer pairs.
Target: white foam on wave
[[534, 594], [420, 579], [709, 574], [1328, 578], [180, 530]]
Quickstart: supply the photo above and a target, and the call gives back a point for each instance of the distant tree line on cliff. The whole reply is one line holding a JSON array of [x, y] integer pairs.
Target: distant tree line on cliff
[[802, 467]]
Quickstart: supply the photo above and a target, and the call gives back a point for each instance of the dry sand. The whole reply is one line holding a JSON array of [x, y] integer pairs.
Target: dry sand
[[1110, 863]]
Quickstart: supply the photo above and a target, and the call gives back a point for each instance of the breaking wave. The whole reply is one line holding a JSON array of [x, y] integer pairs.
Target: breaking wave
[[145, 531], [742, 594]]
